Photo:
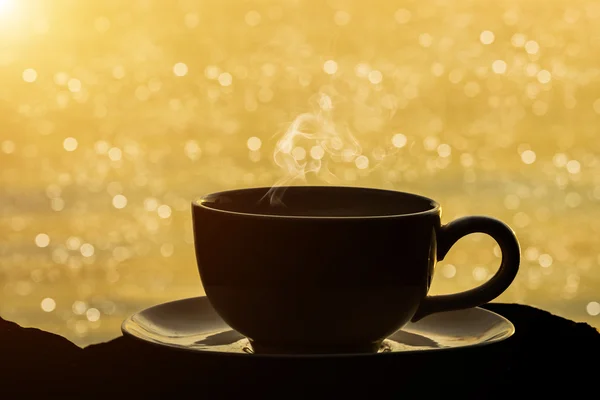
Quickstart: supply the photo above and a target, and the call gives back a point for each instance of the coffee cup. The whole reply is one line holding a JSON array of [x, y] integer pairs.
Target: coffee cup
[[332, 269]]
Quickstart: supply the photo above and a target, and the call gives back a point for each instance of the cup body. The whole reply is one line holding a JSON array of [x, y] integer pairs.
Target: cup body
[[335, 269]]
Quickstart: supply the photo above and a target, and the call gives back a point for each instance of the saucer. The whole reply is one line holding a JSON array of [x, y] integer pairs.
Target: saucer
[[193, 325]]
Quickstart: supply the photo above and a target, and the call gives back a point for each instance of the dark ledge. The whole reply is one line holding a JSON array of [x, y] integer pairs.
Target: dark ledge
[[546, 354]]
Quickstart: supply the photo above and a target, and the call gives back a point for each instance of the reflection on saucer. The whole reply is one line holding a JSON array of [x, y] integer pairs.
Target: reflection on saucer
[[230, 340], [414, 340], [221, 338], [225, 341]]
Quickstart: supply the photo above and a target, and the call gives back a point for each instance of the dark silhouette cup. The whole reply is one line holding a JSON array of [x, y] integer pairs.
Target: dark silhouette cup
[[332, 269]]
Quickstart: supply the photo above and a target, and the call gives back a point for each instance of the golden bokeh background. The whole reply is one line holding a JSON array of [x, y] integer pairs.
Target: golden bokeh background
[[115, 114]]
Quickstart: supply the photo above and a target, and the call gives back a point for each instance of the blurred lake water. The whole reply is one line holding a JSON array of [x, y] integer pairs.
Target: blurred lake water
[[115, 115]]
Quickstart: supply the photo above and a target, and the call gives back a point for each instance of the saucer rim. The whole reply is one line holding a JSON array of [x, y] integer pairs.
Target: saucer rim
[[129, 320]]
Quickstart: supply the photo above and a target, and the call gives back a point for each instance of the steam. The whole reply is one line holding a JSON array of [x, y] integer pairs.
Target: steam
[[310, 143]]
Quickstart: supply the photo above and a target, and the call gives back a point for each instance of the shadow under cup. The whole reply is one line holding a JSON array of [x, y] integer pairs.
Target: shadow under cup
[[324, 269]]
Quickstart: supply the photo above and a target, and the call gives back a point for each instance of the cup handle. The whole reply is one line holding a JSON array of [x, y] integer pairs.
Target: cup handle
[[511, 257]]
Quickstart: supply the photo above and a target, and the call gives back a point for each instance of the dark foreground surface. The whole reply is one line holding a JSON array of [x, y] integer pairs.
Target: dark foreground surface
[[546, 354]]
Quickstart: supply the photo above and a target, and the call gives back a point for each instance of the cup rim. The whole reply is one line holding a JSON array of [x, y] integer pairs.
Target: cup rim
[[200, 203]]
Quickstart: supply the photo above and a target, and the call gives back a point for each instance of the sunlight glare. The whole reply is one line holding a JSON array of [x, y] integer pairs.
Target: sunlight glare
[[7, 6], [10, 17]]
